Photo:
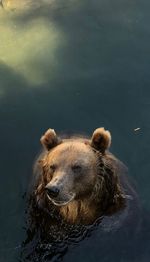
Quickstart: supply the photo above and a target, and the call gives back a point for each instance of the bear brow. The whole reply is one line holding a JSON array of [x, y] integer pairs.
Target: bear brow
[[68, 148]]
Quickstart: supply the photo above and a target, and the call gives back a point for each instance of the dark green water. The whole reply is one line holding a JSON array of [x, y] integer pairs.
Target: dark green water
[[73, 66]]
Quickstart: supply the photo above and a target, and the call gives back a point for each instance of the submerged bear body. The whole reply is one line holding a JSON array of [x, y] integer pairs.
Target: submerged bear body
[[78, 177]]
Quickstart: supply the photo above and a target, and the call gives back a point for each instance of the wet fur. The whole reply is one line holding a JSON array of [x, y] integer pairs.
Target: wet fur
[[106, 196]]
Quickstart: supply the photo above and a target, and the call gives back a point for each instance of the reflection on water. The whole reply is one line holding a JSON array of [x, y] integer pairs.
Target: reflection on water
[[26, 47], [90, 62], [23, 5]]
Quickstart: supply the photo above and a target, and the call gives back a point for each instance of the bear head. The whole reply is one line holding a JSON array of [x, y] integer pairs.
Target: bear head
[[77, 175]]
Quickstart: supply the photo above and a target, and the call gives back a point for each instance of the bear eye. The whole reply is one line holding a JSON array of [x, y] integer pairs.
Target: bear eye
[[52, 168], [76, 168]]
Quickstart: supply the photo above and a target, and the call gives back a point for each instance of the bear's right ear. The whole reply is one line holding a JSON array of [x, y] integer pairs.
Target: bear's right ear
[[101, 139], [49, 139]]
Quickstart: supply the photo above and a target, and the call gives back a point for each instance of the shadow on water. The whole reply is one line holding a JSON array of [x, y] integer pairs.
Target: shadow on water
[[101, 78]]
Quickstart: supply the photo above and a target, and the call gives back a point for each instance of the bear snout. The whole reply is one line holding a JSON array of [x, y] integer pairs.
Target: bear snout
[[57, 194], [52, 191]]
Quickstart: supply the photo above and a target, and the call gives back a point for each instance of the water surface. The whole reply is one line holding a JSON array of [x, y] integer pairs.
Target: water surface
[[73, 66]]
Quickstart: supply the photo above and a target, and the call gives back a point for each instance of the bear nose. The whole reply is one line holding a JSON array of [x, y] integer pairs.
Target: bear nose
[[52, 191]]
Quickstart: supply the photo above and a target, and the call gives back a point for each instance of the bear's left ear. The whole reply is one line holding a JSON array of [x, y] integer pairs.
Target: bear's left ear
[[50, 139], [101, 139]]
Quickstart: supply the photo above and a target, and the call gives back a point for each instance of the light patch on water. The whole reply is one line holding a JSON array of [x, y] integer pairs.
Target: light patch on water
[[30, 48], [24, 4]]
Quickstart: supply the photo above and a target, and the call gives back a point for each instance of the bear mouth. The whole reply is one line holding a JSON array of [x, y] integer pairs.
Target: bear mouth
[[61, 202]]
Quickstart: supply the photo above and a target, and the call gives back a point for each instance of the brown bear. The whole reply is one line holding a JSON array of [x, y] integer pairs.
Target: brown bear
[[78, 177]]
